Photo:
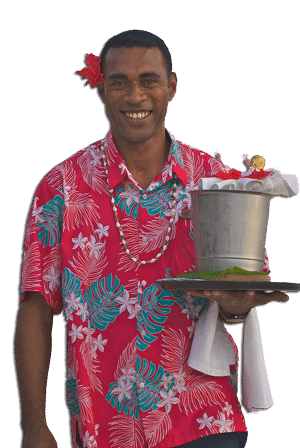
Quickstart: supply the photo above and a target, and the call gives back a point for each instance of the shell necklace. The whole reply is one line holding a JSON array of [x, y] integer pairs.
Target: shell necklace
[[171, 222]]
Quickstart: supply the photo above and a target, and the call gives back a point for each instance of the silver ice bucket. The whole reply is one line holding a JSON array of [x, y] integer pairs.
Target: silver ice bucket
[[230, 229]]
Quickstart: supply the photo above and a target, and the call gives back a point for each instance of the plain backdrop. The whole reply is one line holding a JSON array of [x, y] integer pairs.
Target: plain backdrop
[[238, 72]]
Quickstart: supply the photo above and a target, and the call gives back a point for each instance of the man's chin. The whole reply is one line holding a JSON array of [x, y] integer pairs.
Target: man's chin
[[134, 136]]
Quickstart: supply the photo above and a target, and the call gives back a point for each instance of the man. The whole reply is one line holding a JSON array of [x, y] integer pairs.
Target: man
[[104, 226]]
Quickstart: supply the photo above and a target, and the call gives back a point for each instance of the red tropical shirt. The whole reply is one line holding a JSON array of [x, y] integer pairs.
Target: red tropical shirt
[[128, 382]]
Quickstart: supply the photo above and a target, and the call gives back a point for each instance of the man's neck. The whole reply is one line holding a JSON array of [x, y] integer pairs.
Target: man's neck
[[145, 160]]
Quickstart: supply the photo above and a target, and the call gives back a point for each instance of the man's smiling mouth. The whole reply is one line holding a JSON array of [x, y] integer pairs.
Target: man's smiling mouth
[[137, 115]]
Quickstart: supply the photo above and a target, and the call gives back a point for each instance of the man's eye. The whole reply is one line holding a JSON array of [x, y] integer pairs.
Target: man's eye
[[118, 83], [150, 81]]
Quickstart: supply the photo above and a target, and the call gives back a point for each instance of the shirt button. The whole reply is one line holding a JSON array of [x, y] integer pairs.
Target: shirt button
[[144, 283], [143, 332], [145, 238], [142, 385], [145, 196]]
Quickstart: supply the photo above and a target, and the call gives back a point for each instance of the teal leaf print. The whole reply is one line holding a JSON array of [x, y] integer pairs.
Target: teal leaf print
[[100, 297], [176, 152], [127, 404], [125, 396], [157, 202], [71, 286], [72, 397], [152, 377], [50, 227], [128, 199], [155, 307]]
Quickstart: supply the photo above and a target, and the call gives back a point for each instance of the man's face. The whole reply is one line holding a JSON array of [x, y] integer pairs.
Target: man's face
[[136, 92]]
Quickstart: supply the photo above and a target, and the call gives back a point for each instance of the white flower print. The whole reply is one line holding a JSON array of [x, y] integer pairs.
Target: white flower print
[[135, 311], [192, 329], [130, 194], [96, 157], [89, 331], [83, 311], [167, 400], [167, 380], [126, 302], [75, 333], [79, 242], [180, 382], [228, 409], [102, 230], [224, 424], [69, 313], [73, 301], [89, 441], [178, 208], [128, 375], [205, 421], [94, 247], [36, 212], [123, 390], [99, 343], [53, 278], [192, 311]]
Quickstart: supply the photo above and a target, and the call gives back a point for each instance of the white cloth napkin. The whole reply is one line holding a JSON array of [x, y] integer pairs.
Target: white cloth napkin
[[276, 184], [212, 353]]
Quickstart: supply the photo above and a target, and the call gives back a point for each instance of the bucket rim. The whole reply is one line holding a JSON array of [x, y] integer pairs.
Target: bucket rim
[[259, 193]]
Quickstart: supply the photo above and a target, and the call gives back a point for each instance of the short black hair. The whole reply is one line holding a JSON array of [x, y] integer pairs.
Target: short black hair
[[137, 38]]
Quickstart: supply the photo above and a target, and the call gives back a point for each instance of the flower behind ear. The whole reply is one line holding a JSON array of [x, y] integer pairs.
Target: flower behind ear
[[93, 71]]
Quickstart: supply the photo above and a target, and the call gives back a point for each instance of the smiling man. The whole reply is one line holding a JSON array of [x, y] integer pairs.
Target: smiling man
[[104, 226]]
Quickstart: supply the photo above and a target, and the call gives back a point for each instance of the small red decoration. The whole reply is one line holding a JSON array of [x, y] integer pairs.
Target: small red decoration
[[252, 173], [230, 174], [93, 71]]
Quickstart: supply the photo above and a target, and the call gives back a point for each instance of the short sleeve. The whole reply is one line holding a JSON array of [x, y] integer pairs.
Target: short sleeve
[[41, 267]]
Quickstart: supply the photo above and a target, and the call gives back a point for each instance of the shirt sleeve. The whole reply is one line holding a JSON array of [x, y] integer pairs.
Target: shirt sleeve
[[41, 267]]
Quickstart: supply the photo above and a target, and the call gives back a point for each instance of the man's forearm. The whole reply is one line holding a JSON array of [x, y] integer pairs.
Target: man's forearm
[[33, 352]]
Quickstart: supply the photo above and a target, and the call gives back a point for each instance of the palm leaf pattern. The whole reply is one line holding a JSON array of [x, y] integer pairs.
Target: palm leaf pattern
[[157, 202], [129, 406], [157, 424], [100, 297], [50, 227], [70, 284], [127, 198], [176, 152], [72, 397], [198, 390], [155, 307], [152, 377], [146, 398], [126, 432]]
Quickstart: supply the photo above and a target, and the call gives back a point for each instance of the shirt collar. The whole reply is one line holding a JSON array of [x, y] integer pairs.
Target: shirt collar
[[117, 169]]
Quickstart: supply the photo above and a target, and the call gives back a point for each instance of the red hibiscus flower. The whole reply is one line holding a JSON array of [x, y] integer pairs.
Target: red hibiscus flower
[[93, 71]]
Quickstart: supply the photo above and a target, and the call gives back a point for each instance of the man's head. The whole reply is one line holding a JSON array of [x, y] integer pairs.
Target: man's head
[[138, 84], [137, 38]]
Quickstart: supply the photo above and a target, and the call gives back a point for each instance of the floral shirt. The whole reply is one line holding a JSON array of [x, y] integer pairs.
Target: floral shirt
[[128, 382]]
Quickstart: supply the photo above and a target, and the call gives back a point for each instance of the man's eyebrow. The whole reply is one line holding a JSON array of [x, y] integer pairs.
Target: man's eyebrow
[[142, 75], [117, 76], [150, 75]]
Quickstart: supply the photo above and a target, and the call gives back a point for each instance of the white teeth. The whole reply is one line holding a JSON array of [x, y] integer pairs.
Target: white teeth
[[136, 115]]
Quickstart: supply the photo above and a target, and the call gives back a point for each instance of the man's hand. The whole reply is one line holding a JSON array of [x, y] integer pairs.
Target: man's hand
[[240, 302], [38, 437]]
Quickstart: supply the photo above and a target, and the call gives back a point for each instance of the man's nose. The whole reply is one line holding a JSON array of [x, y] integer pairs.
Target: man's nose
[[135, 93]]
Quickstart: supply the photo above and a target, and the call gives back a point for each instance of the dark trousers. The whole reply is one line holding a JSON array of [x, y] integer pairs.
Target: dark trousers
[[226, 440]]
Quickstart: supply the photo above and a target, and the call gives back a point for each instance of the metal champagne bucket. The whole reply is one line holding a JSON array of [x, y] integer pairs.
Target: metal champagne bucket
[[230, 229]]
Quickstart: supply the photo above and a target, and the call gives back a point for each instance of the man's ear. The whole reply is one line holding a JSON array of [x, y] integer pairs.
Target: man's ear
[[172, 85], [101, 90]]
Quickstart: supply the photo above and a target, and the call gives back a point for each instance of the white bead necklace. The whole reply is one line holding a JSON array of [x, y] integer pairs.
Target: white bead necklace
[[171, 222]]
